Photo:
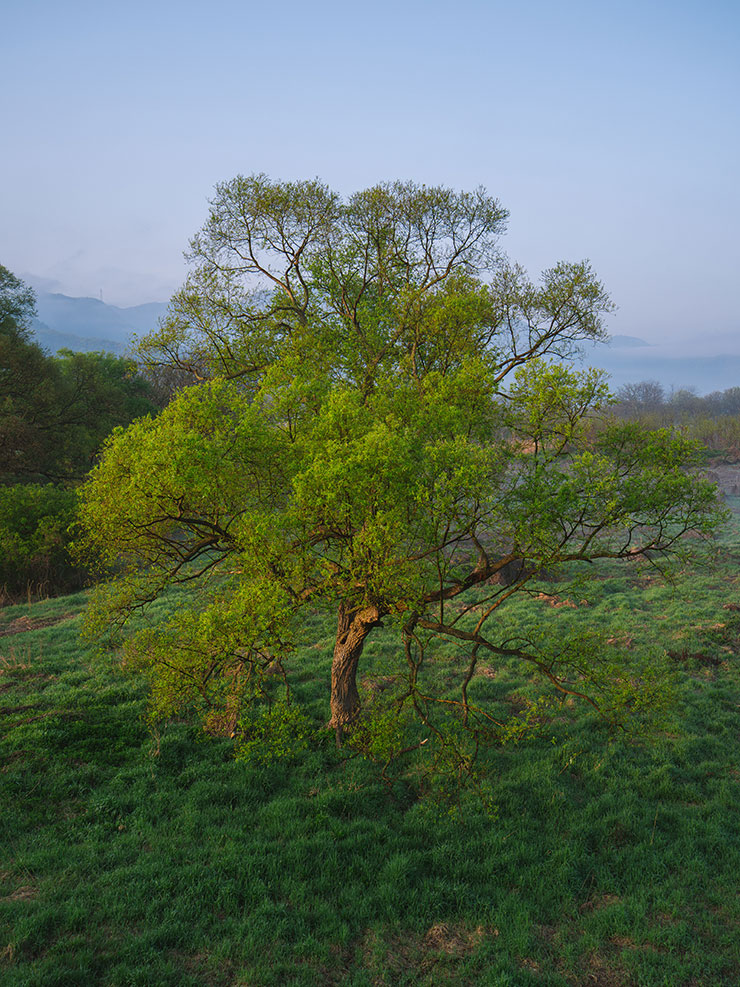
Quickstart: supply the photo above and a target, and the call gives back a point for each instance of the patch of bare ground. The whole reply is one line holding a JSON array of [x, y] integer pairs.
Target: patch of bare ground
[[554, 601], [623, 942], [456, 940], [529, 964], [708, 661], [374, 686], [64, 714], [22, 625], [598, 902], [621, 641], [603, 968], [24, 893], [485, 670], [601, 975], [431, 954], [600, 968], [198, 966], [7, 955]]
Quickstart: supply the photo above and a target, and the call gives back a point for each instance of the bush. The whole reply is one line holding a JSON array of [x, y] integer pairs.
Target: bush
[[35, 540]]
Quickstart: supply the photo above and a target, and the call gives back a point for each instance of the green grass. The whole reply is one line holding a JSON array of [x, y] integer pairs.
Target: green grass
[[132, 859]]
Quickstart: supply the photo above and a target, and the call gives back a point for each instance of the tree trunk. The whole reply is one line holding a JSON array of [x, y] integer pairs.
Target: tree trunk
[[353, 626]]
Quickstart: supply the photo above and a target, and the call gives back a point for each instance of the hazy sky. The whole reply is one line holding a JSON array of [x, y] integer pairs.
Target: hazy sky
[[609, 130]]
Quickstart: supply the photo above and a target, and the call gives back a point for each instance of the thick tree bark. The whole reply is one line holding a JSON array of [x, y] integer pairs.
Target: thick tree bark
[[353, 626]]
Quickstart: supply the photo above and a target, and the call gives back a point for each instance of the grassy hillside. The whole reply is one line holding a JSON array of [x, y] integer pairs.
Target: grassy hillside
[[129, 858]]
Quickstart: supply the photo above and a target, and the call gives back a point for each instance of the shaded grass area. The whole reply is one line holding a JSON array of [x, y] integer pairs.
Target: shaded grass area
[[132, 859]]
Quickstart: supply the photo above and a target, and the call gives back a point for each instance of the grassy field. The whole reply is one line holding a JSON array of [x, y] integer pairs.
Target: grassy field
[[128, 858]]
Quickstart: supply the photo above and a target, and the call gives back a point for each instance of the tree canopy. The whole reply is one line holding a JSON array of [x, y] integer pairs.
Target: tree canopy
[[55, 412], [17, 305], [378, 421]]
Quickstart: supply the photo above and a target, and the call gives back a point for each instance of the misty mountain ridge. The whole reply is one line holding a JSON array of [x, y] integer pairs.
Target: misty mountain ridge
[[706, 364], [53, 341], [95, 319]]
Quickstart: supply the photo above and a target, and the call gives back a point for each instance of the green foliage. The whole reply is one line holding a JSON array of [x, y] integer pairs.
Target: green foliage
[[279, 732], [56, 411], [386, 729], [17, 305], [98, 392], [376, 426], [35, 539], [634, 690], [30, 389], [712, 420]]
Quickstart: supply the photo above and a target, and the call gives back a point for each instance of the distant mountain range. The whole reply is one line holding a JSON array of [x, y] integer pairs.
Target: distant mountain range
[[707, 364], [86, 324]]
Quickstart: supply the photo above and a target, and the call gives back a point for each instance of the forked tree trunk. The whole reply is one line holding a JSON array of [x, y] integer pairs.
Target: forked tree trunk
[[353, 626]]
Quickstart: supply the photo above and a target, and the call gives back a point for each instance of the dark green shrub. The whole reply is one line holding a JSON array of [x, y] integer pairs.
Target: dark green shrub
[[35, 540]]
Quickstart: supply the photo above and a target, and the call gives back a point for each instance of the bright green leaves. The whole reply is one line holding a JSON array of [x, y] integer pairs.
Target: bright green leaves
[[398, 278], [587, 486], [655, 473], [34, 526], [183, 479], [630, 688], [549, 402], [219, 653], [258, 215], [279, 732], [573, 300], [549, 319], [393, 484], [356, 492], [377, 426]]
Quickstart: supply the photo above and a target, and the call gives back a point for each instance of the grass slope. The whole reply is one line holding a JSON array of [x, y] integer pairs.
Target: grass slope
[[128, 859]]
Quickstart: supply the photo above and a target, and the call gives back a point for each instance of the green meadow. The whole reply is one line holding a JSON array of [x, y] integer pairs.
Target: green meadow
[[132, 857]]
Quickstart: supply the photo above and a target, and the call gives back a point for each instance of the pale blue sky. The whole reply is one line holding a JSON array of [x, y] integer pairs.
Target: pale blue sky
[[609, 130]]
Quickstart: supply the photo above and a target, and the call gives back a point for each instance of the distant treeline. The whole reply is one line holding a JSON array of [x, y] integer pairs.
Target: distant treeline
[[713, 420], [650, 397], [55, 414]]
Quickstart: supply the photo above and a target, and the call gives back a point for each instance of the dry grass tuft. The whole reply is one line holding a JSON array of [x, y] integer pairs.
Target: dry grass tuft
[[456, 940]]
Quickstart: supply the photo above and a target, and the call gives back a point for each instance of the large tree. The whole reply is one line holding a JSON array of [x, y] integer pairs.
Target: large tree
[[377, 424]]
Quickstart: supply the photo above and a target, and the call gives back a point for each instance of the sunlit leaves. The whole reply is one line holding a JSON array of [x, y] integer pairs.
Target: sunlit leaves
[[377, 425]]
